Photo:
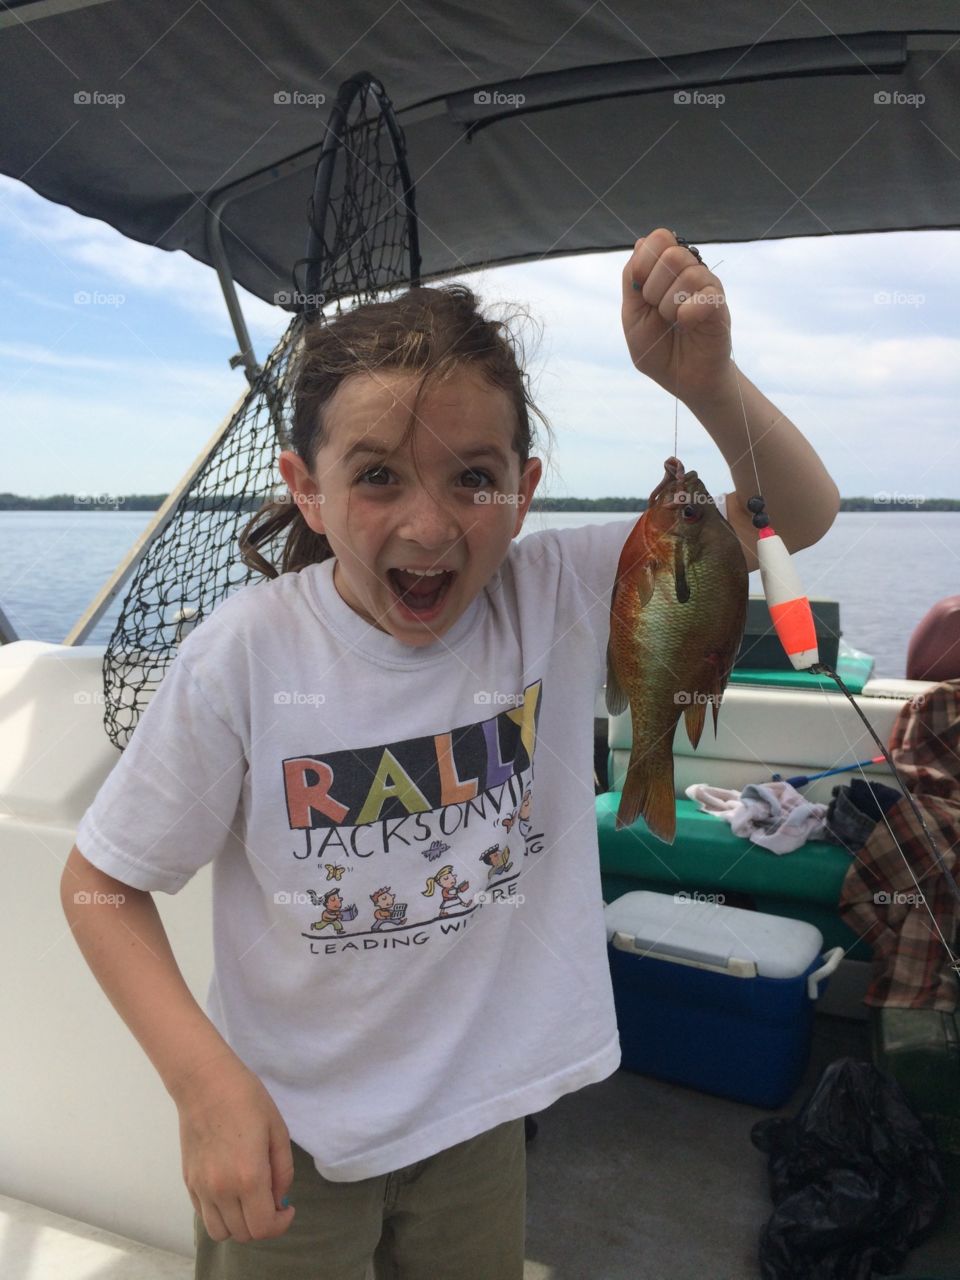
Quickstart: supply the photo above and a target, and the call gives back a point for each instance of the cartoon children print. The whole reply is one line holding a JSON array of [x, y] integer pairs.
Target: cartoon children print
[[449, 890], [384, 913], [497, 859], [334, 912], [389, 915], [521, 817]]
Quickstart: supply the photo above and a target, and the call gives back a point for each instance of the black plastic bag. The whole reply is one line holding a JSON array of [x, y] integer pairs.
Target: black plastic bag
[[854, 1179]]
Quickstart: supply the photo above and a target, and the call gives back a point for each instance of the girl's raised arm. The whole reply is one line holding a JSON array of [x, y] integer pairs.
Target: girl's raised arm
[[677, 327]]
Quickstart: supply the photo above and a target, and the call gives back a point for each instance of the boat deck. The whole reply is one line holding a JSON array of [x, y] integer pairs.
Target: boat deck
[[635, 1179], [630, 1179]]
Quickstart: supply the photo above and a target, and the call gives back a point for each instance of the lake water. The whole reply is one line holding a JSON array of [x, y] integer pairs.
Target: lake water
[[886, 569]]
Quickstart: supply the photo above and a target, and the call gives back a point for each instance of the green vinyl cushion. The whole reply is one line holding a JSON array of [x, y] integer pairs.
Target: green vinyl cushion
[[853, 668], [707, 857]]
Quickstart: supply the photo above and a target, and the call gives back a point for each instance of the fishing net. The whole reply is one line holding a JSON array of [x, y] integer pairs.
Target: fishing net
[[362, 245]]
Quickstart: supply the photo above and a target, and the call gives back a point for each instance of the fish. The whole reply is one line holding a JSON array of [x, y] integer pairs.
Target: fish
[[677, 617]]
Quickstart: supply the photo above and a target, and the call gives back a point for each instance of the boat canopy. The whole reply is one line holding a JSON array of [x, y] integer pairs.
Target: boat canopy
[[561, 128]]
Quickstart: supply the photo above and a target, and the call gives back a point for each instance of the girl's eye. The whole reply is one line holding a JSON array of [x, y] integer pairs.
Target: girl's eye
[[374, 475], [481, 477]]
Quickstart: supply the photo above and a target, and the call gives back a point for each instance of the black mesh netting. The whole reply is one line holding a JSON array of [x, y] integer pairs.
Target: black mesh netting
[[364, 244]]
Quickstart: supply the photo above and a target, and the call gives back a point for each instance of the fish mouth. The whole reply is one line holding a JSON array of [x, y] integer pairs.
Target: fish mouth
[[673, 475]]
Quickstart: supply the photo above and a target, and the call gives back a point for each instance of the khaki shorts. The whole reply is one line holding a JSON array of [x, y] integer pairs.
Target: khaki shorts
[[460, 1213]]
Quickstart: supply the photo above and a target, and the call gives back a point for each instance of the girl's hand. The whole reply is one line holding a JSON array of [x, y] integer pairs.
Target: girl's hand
[[674, 308], [237, 1159]]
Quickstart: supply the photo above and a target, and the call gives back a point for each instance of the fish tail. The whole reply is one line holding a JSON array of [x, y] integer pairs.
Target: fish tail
[[648, 791]]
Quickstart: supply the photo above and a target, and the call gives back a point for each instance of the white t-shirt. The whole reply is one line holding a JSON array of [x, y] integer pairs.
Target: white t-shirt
[[308, 753]]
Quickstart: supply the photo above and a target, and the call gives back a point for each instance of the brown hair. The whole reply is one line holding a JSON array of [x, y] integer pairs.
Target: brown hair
[[431, 331]]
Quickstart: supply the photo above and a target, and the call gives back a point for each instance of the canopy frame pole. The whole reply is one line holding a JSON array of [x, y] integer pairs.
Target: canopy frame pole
[[218, 253], [218, 202], [109, 591]]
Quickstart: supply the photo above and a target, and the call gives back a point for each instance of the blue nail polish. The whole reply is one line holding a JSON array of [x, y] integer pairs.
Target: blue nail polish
[[285, 1202], [636, 286]]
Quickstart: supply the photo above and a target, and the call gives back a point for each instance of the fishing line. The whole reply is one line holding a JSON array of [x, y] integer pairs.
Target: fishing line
[[823, 668], [791, 595], [788, 598]]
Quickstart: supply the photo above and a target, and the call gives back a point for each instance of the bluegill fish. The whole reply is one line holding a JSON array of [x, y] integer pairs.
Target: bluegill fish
[[677, 616]]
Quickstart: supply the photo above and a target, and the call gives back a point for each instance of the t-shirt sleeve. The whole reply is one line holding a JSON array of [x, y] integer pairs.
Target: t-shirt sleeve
[[588, 559], [172, 799]]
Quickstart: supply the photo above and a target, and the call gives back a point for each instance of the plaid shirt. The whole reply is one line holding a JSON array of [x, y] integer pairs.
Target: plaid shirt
[[881, 900]]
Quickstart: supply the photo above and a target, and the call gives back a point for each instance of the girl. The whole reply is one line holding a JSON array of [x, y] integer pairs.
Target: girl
[[379, 1080]]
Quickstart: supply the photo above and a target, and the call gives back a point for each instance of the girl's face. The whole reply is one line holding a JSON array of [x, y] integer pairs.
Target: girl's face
[[456, 510]]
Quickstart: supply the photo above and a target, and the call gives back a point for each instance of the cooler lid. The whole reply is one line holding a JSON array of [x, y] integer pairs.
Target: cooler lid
[[693, 928]]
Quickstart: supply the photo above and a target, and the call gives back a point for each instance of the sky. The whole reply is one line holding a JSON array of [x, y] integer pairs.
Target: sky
[[114, 359]]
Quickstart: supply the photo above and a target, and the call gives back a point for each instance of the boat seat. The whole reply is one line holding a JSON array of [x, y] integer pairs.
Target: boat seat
[[762, 730], [706, 857]]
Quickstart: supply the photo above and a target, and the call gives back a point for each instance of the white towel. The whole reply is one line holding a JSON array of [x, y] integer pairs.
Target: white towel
[[773, 815]]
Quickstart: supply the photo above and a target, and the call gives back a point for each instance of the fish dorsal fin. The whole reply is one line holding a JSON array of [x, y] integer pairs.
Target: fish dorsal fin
[[616, 699]]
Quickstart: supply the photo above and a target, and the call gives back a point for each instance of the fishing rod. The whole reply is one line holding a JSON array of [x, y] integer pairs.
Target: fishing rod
[[792, 618], [793, 622], [803, 779]]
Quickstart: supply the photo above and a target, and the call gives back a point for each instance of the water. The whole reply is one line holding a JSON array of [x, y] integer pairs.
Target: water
[[885, 568]]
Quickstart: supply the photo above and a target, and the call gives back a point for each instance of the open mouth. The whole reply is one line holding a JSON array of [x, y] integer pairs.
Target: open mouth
[[419, 594]]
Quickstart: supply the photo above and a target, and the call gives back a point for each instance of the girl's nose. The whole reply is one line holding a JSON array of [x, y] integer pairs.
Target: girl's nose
[[427, 521]]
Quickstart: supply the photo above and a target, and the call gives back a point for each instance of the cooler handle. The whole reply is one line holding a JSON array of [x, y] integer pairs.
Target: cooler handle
[[831, 959], [732, 966]]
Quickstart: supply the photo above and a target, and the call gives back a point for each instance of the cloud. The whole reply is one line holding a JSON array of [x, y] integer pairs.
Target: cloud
[[27, 353], [114, 442], [852, 336], [86, 247]]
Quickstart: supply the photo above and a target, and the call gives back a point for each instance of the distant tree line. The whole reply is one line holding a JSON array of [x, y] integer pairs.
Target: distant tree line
[[153, 501]]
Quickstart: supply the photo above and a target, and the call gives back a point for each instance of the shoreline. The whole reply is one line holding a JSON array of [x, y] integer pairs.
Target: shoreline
[[609, 505]]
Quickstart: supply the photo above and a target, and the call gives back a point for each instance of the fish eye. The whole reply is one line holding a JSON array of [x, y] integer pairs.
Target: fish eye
[[690, 513]]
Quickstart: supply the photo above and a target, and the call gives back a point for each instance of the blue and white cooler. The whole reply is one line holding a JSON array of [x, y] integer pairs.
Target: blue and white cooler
[[715, 997]]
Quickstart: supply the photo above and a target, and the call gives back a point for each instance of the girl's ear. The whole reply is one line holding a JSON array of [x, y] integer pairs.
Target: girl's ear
[[529, 480], [303, 488]]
